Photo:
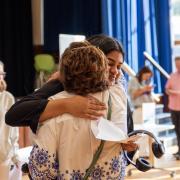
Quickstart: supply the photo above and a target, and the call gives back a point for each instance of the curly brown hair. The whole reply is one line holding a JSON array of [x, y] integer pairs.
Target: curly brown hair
[[84, 69]]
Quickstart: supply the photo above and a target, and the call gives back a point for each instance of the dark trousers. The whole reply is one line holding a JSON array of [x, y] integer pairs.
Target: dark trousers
[[175, 115]]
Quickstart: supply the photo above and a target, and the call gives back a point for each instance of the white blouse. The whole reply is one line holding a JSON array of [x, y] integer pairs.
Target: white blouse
[[65, 145], [8, 135]]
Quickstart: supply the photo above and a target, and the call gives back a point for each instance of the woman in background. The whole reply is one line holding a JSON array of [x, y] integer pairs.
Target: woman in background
[[139, 88]]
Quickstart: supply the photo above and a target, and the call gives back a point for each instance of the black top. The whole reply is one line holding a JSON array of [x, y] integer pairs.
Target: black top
[[26, 112]]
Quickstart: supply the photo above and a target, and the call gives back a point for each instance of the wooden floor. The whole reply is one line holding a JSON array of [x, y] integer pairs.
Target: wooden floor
[[171, 169]]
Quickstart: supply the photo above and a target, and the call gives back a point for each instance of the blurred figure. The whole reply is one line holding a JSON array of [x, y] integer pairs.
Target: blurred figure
[[8, 135], [140, 88], [173, 90]]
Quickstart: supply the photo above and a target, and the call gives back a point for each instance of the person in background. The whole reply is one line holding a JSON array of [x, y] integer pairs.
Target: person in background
[[8, 135], [58, 154], [173, 91], [36, 107], [139, 88]]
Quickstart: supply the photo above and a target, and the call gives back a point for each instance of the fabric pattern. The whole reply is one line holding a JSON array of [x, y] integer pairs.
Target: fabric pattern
[[43, 165], [65, 145]]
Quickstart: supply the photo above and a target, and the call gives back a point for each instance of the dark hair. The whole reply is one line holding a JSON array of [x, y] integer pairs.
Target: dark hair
[[142, 71], [84, 69], [106, 43], [177, 58]]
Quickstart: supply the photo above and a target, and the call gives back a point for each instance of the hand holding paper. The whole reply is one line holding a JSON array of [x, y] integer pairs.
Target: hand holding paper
[[130, 146], [106, 130], [131, 139]]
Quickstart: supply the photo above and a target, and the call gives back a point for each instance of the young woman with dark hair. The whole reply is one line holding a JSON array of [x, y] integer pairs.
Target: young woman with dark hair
[[139, 87], [36, 107]]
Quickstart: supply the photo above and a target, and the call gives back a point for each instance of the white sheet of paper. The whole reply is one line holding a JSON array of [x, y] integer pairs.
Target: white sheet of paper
[[106, 130], [134, 138]]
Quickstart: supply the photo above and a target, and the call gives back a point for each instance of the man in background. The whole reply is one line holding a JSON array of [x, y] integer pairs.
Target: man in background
[[9, 160], [173, 91]]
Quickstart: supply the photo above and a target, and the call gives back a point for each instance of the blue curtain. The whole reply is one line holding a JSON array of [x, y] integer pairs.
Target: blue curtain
[[141, 25], [163, 35]]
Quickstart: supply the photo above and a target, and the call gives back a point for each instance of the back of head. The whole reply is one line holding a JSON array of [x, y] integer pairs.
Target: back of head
[[105, 43], [83, 69], [177, 58]]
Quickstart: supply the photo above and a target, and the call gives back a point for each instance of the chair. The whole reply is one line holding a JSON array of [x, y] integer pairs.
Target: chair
[[44, 65]]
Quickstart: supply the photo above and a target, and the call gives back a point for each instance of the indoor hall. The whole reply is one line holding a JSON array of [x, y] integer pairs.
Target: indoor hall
[[122, 86]]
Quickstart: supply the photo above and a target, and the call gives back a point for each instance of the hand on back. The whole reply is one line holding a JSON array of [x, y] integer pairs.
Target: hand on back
[[86, 107]]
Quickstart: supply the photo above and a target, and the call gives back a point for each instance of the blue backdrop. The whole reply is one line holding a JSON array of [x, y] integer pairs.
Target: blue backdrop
[[141, 25]]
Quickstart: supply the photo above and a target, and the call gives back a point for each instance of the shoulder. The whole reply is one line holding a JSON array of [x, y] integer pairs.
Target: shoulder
[[133, 80], [133, 83], [172, 76], [62, 94], [117, 89]]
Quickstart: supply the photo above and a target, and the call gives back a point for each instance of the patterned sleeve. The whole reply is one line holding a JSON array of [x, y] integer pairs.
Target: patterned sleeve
[[43, 163]]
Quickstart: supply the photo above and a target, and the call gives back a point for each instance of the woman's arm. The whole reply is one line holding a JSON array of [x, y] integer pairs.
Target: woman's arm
[[139, 92], [27, 111], [78, 106], [32, 108], [172, 92]]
